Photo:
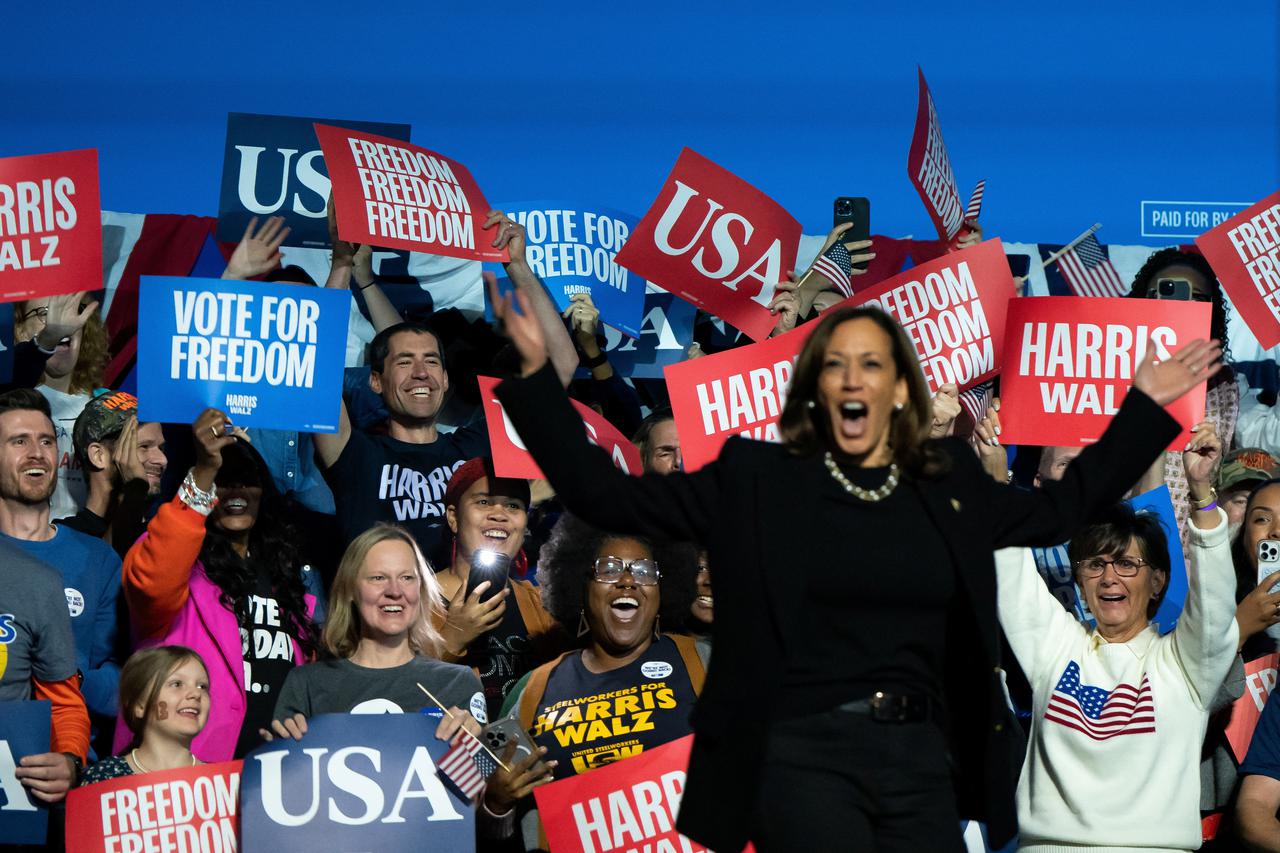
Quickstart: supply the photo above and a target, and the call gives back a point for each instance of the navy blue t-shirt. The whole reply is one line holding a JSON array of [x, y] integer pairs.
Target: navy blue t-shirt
[[1264, 750]]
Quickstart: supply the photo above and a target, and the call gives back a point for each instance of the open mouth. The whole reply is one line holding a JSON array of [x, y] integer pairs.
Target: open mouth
[[235, 506], [704, 601], [190, 713], [420, 392], [853, 419], [392, 608], [624, 608], [1112, 598], [35, 473], [496, 535]]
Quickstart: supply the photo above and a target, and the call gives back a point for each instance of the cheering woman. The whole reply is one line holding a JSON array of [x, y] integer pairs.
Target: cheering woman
[[856, 645]]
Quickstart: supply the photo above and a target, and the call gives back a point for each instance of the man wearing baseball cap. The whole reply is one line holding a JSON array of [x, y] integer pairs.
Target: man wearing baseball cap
[[123, 462], [1240, 473]]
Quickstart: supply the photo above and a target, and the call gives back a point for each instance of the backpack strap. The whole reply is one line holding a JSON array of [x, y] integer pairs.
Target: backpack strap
[[534, 688], [688, 648]]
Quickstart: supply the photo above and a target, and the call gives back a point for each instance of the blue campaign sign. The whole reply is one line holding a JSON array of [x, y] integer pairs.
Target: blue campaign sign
[[269, 355], [354, 782], [1186, 219], [666, 333], [273, 166], [571, 247], [24, 730]]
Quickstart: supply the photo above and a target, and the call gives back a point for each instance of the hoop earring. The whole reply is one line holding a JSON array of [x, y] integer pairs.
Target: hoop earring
[[583, 627]]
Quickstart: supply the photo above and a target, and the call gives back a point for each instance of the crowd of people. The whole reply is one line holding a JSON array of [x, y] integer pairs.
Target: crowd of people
[[895, 649]]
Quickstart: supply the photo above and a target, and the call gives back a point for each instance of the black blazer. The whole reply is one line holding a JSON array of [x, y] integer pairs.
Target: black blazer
[[752, 509]]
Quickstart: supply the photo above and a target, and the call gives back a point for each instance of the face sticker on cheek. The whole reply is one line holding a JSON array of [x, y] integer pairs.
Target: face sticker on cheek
[[162, 710]]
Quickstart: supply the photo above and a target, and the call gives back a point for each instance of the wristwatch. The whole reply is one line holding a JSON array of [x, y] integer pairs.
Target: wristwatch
[[77, 764]]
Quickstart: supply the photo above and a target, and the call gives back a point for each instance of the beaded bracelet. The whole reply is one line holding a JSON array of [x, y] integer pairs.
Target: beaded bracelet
[[195, 497]]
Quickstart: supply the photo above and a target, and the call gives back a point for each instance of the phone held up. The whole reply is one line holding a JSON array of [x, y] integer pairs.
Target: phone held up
[[857, 210], [1268, 565], [491, 566]]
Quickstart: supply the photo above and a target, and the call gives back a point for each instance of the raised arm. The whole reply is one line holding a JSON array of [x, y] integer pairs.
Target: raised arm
[[1206, 638], [1101, 475], [355, 261], [1033, 620], [557, 342], [258, 251], [675, 506], [157, 569]]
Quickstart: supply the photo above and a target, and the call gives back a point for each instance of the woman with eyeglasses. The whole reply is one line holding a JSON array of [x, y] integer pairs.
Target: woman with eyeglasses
[[628, 687], [1120, 711]]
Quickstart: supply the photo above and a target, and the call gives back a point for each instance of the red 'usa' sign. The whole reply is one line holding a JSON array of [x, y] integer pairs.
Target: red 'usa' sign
[[387, 192], [1245, 253], [717, 242], [1068, 362], [511, 459], [50, 225]]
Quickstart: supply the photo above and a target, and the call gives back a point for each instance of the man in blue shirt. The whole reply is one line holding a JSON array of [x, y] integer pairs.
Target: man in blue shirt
[[89, 568]]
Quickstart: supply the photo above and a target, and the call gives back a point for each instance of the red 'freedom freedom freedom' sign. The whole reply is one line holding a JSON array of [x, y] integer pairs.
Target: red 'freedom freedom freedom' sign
[[388, 192], [50, 225], [1245, 253], [717, 242], [511, 459], [1066, 370]]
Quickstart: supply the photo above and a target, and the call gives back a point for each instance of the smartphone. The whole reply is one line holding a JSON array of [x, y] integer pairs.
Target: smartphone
[[1268, 565], [491, 566], [507, 730], [857, 210], [1170, 288]]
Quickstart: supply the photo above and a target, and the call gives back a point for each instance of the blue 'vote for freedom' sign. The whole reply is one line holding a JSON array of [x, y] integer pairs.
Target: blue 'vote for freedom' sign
[[24, 730], [273, 166], [268, 355], [666, 333], [354, 782], [571, 247]]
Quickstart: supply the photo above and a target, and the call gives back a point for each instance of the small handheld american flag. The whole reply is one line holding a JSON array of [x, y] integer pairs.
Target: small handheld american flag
[[974, 210], [467, 764], [836, 266]]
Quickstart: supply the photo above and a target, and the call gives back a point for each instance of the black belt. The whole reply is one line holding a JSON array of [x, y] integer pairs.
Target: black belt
[[894, 707]]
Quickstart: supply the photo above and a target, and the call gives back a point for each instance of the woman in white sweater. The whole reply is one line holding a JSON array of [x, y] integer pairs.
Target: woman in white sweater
[[1120, 711]]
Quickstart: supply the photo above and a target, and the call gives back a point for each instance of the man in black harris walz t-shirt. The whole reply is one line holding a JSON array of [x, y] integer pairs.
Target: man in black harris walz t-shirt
[[400, 476]]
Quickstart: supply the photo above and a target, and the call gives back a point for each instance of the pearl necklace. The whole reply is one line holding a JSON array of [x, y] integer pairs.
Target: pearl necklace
[[133, 753], [870, 495]]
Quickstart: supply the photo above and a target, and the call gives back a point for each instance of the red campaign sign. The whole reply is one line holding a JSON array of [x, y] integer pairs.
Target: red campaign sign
[[511, 459], [193, 808], [953, 309], [717, 242], [1245, 253], [929, 167], [390, 193], [1066, 369], [628, 805], [1259, 681], [737, 392], [50, 225]]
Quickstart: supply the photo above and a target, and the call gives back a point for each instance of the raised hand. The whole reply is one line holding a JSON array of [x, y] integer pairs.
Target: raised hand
[[65, 315], [946, 407], [1200, 458], [519, 324], [211, 434], [125, 455], [510, 234], [469, 617], [785, 305], [1258, 610], [259, 249], [986, 443], [583, 316], [1166, 380], [970, 234]]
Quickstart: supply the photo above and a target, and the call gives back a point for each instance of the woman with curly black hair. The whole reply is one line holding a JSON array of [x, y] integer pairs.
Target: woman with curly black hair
[[219, 570], [1174, 274], [629, 687]]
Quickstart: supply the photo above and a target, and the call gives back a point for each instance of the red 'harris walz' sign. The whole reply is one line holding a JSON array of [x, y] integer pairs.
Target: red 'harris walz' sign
[[50, 225], [629, 806], [952, 308], [387, 192], [1068, 362], [1245, 253], [717, 242], [511, 459]]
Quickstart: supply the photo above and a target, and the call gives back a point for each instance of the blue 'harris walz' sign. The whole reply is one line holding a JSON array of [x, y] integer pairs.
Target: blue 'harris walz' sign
[[571, 247], [273, 166], [24, 730], [268, 355], [354, 783]]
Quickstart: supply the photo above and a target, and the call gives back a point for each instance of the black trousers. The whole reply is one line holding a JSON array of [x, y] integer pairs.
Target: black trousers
[[840, 781]]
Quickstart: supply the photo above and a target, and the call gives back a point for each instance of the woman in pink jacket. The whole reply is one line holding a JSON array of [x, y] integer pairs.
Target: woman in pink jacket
[[219, 572]]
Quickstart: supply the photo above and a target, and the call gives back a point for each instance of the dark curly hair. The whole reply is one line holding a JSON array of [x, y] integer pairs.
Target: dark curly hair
[[1171, 257], [272, 549], [566, 561]]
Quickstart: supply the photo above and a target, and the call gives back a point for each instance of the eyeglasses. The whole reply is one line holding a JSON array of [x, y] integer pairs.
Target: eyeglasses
[[1126, 567], [643, 572], [42, 313]]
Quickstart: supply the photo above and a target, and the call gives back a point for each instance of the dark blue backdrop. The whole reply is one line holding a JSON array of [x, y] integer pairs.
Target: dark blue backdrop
[[1073, 114]]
